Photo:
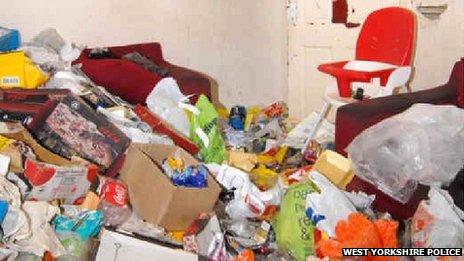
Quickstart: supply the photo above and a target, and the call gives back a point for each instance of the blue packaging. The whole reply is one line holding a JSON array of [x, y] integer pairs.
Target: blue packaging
[[237, 117], [3, 210], [9, 39], [87, 224], [193, 177]]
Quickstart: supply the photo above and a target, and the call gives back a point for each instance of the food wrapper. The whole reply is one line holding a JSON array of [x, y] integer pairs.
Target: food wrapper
[[242, 160], [86, 224], [263, 177]]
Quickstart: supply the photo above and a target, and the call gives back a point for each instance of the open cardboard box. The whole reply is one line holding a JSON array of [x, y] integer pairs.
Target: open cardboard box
[[152, 194]]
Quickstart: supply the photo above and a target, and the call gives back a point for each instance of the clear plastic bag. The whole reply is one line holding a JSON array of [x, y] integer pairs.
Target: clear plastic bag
[[424, 144]]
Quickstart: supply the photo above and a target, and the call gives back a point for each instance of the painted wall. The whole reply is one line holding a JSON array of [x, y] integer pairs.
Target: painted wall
[[240, 43], [439, 44]]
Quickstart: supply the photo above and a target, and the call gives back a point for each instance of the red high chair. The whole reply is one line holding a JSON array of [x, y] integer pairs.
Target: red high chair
[[384, 44], [382, 60]]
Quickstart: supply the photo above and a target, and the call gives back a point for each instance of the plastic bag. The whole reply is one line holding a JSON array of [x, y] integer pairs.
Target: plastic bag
[[436, 223], [327, 207], [49, 51], [87, 224], [249, 201], [205, 133], [43, 237], [294, 230], [359, 232], [134, 129], [164, 101], [424, 144], [16, 70]]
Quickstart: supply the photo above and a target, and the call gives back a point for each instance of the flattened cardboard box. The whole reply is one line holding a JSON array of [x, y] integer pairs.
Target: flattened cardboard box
[[152, 194], [118, 246], [17, 132]]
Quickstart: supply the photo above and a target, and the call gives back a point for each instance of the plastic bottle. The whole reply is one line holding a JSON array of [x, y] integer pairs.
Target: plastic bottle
[[114, 203]]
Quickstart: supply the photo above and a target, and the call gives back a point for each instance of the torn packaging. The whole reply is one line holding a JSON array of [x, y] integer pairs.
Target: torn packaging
[[53, 182], [155, 197], [17, 132]]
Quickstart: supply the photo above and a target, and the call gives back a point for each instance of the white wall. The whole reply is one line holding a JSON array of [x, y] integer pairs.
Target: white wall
[[240, 43], [439, 44]]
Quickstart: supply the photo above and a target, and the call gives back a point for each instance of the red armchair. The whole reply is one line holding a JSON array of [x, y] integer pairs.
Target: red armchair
[[353, 118], [132, 82]]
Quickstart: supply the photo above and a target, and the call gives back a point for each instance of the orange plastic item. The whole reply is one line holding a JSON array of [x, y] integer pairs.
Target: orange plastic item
[[360, 232], [245, 255]]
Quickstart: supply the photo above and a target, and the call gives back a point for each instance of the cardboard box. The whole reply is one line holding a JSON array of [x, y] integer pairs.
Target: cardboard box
[[70, 127], [57, 182], [117, 246], [40, 96], [335, 167], [155, 197], [17, 132]]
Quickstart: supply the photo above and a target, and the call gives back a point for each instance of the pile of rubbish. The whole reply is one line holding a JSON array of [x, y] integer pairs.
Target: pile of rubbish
[[85, 175]]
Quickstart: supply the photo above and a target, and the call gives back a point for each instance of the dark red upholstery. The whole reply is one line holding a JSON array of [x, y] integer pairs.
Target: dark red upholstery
[[132, 82], [353, 118]]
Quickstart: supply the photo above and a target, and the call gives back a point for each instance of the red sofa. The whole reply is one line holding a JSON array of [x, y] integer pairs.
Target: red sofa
[[353, 118], [132, 82]]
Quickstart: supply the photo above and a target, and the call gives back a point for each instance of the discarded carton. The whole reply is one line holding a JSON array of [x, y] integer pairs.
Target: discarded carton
[[8, 148], [70, 127], [335, 167], [200, 233], [242, 160], [17, 132], [117, 246], [155, 197], [53, 182]]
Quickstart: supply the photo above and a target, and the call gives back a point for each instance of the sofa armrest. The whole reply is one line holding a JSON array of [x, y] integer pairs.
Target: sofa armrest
[[353, 118], [190, 82]]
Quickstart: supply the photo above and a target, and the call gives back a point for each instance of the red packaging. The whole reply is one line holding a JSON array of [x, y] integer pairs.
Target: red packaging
[[277, 109], [160, 126], [115, 193], [58, 182]]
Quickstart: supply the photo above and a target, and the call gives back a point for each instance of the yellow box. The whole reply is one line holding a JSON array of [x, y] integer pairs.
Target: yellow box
[[335, 167]]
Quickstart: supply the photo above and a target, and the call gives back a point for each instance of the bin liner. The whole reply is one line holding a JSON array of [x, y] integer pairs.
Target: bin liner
[[424, 144]]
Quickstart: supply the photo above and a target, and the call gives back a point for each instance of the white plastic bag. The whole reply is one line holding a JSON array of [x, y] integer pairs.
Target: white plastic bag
[[424, 144], [133, 131], [329, 206], [249, 201], [166, 101], [43, 236], [437, 222]]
